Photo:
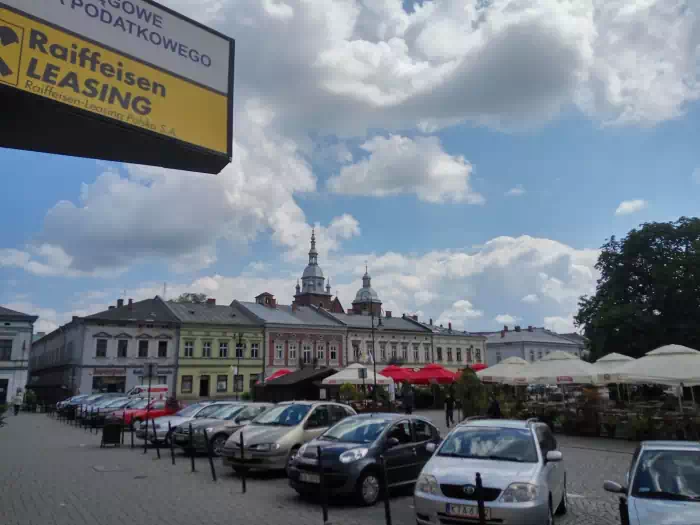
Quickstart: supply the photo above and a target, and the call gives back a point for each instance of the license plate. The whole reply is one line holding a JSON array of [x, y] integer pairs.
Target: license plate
[[309, 478], [466, 511]]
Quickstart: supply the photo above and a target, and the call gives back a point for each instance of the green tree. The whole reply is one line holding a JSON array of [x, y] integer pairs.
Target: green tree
[[196, 298], [648, 294]]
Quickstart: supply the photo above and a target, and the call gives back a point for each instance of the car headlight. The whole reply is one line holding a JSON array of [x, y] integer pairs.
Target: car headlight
[[519, 493], [427, 484], [353, 455], [209, 430], [266, 447]]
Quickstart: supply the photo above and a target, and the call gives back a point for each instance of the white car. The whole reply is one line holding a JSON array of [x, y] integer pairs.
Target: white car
[[165, 424]]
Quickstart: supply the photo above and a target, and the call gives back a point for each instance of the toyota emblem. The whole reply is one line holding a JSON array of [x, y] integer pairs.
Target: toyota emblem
[[469, 489]]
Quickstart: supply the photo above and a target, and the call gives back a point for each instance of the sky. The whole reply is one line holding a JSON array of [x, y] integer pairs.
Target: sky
[[474, 154]]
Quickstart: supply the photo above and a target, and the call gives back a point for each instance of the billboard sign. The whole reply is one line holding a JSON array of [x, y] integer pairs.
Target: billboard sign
[[132, 62]]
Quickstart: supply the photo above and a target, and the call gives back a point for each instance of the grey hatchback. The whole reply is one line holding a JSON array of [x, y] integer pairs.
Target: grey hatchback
[[523, 478]]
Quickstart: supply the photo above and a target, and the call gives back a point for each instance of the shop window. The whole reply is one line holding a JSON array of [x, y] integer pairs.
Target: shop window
[[238, 380], [221, 383], [186, 386]]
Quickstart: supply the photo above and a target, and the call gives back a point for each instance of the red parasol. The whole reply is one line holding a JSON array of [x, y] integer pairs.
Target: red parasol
[[397, 373], [433, 374], [478, 366], [275, 375]]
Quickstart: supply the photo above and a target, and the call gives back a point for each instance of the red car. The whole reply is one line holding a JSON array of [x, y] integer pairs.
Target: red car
[[141, 411]]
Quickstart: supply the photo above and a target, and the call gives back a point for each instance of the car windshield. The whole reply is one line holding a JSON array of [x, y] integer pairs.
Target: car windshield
[[227, 412], [209, 410], [500, 444], [285, 415], [141, 403], [357, 430], [669, 475], [91, 399], [119, 403], [189, 411]]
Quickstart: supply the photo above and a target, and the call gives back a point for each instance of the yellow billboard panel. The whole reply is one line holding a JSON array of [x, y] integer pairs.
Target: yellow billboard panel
[[47, 62]]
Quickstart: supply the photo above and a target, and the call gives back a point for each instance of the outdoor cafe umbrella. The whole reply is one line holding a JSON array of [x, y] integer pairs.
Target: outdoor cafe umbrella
[[352, 376], [433, 373], [607, 369], [561, 368], [511, 371], [672, 365], [275, 375], [397, 373]]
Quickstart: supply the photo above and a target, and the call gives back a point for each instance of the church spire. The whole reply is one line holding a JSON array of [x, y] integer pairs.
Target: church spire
[[313, 254]]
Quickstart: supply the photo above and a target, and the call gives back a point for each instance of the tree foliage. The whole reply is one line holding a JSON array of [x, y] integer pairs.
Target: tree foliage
[[648, 294], [197, 298]]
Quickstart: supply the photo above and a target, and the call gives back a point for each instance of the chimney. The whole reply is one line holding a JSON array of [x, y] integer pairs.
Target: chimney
[[529, 329], [414, 317], [505, 328], [517, 328], [503, 334], [120, 303], [431, 321], [387, 314], [111, 307], [449, 326], [131, 303], [211, 302]]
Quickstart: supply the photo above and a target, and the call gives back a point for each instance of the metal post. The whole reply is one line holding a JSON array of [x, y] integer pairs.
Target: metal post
[[172, 445], [122, 426], [192, 447], [324, 501], [155, 436], [480, 500], [209, 454], [131, 431], [238, 364], [149, 368], [243, 469], [385, 489], [374, 357]]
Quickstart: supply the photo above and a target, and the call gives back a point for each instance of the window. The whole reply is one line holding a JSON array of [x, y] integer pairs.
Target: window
[[189, 350], [394, 351], [221, 383], [252, 379], [292, 352], [6, 349], [459, 355], [532, 356], [404, 351], [279, 351], [426, 350], [402, 432], [162, 349], [223, 349], [337, 414], [382, 352], [321, 352], [101, 349], [206, 349], [158, 380], [319, 418], [238, 383], [122, 347], [449, 355], [240, 350], [498, 357], [306, 354], [546, 439], [416, 354], [334, 353], [254, 349], [370, 351], [439, 353], [186, 385], [424, 432], [539, 354], [478, 355], [356, 351], [469, 356], [158, 405], [143, 348]]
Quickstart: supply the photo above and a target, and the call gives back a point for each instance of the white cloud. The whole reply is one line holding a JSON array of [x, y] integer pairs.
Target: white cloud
[[506, 319], [628, 207], [531, 298], [516, 191], [398, 165], [459, 313], [559, 324]]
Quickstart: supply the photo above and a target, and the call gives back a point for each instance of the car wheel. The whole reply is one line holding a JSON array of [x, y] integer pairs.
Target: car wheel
[[292, 453], [218, 443], [563, 505], [367, 488]]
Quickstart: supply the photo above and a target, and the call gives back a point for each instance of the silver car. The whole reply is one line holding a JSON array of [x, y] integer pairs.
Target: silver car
[[522, 475], [165, 424], [273, 438], [662, 485]]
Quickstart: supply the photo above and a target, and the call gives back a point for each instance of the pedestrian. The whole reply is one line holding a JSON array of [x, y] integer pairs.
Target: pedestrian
[[449, 410], [17, 401], [494, 410], [407, 395]]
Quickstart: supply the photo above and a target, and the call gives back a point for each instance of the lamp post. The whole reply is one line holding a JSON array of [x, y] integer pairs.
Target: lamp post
[[239, 351], [374, 351]]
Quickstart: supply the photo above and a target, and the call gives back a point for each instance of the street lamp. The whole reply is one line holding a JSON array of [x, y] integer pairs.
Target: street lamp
[[239, 351], [380, 326]]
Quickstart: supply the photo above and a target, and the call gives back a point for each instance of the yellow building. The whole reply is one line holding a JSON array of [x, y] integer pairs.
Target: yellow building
[[220, 351]]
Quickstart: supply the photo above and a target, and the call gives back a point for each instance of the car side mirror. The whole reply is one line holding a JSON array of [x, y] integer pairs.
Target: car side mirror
[[431, 447], [392, 442], [611, 486], [553, 456]]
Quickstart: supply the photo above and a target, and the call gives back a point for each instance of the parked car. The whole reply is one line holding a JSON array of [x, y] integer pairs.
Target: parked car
[[101, 404], [662, 486], [522, 474], [114, 406], [168, 423], [219, 426], [273, 438], [156, 391], [142, 411], [93, 401], [350, 453], [71, 400]]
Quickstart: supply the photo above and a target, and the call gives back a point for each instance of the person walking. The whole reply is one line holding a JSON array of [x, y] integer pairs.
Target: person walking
[[17, 402], [449, 410], [407, 395], [494, 410]]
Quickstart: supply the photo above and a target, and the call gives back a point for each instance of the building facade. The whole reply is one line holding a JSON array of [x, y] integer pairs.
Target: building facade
[[16, 333], [454, 349], [107, 351], [221, 351], [529, 343]]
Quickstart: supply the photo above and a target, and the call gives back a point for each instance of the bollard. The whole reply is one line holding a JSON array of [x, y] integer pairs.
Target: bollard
[[172, 445], [243, 468], [145, 437], [191, 447], [322, 488], [123, 429], [155, 436], [131, 431], [383, 479], [209, 454], [480, 499]]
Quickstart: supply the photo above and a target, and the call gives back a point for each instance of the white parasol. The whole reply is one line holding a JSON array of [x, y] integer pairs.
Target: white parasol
[[511, 371], [561, 368], [352, 376]]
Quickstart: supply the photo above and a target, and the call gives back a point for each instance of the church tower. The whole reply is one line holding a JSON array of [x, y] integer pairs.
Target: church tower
[[312, 290]]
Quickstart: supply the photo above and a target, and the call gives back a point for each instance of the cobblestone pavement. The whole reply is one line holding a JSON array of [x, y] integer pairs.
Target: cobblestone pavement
[[53, 474]]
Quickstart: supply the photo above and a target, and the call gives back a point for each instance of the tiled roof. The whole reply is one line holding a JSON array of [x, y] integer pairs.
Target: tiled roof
[[211, 314], [282, 314], [11, 315], [305, 374], [146, 310], [441, 330], [389, 323]]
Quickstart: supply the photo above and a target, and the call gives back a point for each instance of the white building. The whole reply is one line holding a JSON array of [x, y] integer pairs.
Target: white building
[[529, 343], [16, 332]]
